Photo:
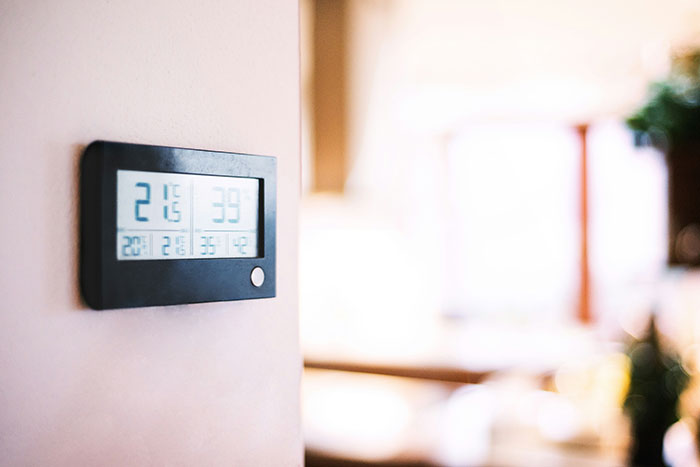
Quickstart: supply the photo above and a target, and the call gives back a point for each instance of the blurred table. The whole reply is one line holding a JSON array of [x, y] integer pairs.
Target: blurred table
[[427, 372], [374, 405]]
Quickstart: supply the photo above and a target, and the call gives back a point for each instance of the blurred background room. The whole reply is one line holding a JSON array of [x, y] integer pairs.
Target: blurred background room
[[500, 224]]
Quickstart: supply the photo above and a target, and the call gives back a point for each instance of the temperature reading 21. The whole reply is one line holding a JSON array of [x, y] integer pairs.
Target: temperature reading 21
[[171, 210], [178, 216]]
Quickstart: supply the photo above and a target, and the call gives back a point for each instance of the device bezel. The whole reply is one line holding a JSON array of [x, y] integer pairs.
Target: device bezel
[[108, 283]]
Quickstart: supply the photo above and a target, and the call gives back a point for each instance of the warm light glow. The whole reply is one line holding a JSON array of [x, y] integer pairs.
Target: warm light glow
[[366, 416]]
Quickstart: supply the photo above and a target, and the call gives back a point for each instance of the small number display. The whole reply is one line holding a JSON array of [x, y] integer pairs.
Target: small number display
[[179, 216]]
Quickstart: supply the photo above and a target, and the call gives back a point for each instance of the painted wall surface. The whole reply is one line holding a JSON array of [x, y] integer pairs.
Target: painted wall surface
[[209, 384]]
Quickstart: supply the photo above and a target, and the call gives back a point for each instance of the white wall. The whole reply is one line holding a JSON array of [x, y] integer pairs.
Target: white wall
[[210, 384]]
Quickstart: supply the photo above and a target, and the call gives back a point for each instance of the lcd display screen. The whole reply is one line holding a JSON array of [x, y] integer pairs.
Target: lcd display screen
[[163, 216]]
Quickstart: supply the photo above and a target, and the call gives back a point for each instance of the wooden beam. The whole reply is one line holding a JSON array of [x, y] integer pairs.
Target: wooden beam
[[584, 301], [328, 95]]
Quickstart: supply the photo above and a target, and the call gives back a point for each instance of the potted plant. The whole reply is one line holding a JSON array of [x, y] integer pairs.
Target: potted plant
[[656, 382], [670, 121]]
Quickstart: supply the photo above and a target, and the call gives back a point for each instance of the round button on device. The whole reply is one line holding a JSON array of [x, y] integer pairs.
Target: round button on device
[[257, 276]]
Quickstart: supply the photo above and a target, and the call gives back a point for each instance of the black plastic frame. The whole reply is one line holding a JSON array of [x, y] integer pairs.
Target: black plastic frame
[[107, 283]]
